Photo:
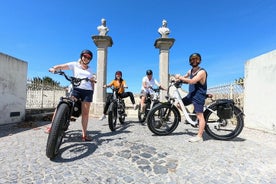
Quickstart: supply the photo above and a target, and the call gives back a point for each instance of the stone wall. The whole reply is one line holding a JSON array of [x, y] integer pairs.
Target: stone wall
[[40, 99], [259, 92], [13, 77]]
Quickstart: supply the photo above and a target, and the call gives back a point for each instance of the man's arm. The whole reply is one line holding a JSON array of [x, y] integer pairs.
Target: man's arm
[[200, 77]]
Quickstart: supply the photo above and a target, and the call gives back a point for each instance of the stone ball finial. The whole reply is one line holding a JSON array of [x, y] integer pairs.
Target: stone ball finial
[[103, 30], [164, 31]]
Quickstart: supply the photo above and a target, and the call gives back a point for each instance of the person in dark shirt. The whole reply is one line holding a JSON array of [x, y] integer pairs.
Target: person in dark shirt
[[197, 80]]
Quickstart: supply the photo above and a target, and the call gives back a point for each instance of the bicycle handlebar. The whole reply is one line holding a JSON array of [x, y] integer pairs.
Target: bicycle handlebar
[[156, 90], [178, 83], [73, 80]]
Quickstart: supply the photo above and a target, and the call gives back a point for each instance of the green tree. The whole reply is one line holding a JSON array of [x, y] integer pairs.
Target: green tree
[[38, 83], [50, 81]]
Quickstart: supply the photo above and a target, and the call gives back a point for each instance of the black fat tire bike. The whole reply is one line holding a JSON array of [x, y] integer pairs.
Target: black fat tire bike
[[116, 110], [68, 106], [150, 101]]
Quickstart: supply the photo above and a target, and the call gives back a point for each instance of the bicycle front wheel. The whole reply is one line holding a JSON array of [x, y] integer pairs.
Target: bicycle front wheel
[[57, 130], [223, 129], [163, 119], [112, 117]]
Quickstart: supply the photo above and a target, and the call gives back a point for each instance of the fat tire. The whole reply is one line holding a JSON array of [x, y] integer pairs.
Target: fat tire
[[57, 130], [238, 127], [112, 117], [160, 125]]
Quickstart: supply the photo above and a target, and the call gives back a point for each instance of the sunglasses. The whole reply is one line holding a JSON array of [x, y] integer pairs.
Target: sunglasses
[[87, 56]]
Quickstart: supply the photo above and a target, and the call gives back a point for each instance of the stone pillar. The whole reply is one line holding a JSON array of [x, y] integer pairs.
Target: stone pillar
[[102, 42], [164, 45]]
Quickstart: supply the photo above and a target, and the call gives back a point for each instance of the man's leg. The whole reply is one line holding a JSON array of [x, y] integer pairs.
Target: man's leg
[[142, 104], [202, 123], [198, 108]]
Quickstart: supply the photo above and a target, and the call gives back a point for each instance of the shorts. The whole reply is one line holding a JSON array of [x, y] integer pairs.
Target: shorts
[[143, 93], [198, 108], [83, 94]]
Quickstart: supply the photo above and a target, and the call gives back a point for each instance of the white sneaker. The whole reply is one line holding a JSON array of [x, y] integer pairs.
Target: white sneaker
[[103, 117], [135, 106], [196, 139]]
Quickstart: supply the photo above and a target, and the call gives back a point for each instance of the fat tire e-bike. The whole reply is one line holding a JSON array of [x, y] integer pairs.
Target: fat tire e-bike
[[116, 110], [224, 120], [68, 106], [151, 100]]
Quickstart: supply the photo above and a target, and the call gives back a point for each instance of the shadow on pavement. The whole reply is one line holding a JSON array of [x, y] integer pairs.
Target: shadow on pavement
[[73, 148], [193, 132], [14, 128]]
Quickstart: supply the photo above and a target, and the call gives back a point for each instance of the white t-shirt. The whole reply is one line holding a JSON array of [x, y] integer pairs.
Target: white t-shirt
[[81, 73], [149, 83]]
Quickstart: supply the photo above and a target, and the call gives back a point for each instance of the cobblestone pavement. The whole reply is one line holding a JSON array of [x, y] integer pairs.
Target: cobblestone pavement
[[132, 154]]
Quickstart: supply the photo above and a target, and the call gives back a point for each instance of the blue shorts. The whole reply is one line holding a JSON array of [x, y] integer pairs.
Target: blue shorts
[[198, 108], [83, 94]]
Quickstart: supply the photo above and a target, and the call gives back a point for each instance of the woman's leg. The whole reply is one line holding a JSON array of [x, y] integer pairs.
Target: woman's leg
[[48, 128], [128, 94], [84, 117]]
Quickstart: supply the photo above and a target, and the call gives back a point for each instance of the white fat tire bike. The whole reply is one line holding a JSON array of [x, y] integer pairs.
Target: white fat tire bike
[[224, 120]]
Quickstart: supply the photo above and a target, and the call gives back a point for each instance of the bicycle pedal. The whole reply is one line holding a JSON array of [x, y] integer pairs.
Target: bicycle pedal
[[195, 126]]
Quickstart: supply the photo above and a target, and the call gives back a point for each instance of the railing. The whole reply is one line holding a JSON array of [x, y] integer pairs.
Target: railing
[[229, 91], [41, 96]]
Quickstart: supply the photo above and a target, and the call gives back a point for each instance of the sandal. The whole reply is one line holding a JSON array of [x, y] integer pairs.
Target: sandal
[[47, 130], [86, 138]]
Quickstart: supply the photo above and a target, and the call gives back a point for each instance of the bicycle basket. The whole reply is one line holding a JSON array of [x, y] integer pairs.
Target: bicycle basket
[[225, 111], [77, 109]]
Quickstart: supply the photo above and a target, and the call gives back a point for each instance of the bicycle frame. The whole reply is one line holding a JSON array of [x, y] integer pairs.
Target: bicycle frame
[[178, 100], [151, 100], [69, 99], [154, 97]]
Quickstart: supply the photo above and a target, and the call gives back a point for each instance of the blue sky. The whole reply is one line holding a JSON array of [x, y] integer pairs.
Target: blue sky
[[226, 33]]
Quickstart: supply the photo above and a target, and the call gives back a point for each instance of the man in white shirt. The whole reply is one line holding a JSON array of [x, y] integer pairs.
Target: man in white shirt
[[148, 83]]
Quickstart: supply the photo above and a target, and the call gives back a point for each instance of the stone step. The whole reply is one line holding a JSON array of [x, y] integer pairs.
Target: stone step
[[131, 113]]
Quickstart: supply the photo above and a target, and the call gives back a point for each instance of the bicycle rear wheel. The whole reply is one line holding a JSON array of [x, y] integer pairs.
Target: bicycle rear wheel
[[57, 130], [112, 117], [223, 129], [163, 119]]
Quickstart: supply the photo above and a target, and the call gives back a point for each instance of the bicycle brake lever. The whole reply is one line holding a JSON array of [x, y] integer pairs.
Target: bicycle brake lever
[[60, 72]]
